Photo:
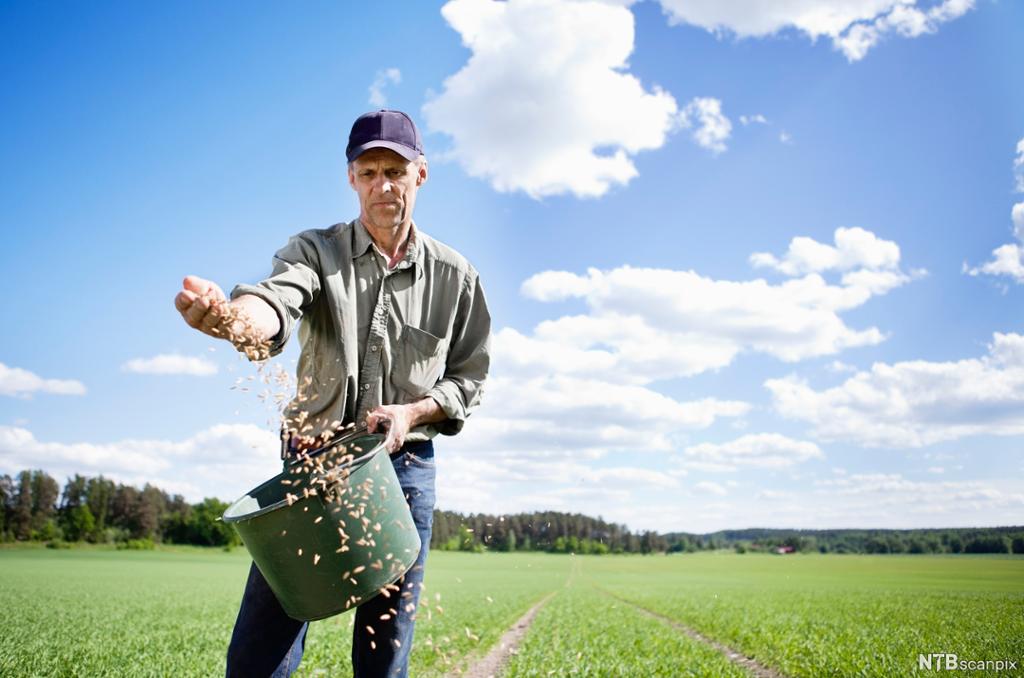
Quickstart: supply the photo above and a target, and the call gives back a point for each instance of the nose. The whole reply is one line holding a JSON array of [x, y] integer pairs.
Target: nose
[[385, 187]]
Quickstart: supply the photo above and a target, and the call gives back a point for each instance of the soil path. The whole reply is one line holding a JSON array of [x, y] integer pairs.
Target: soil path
[[494, 663], [755, 667]]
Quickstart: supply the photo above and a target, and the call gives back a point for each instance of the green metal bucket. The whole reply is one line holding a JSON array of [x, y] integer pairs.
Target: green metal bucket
[[332, 530]]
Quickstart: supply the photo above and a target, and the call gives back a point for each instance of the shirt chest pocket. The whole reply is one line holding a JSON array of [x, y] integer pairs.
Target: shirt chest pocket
[[418, 361]]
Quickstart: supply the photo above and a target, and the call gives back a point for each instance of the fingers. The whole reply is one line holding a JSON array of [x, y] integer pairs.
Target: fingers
[[394, 440], [200, 312], [202, 287], [197, 311], [183, 300], [211, 322], [380, 419]]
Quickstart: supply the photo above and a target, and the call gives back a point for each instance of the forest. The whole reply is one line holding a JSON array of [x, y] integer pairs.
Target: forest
[[98, 510]]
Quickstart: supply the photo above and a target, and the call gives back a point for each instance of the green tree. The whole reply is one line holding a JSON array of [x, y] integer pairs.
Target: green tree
[[99, 495], [21, 514], [45, 493], [78, 523], [207, 528], [7, 495]]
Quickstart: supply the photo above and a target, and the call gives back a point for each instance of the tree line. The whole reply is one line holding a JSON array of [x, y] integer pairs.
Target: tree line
[[98, 510], [1008, 539], [576, 533], [33, 506]]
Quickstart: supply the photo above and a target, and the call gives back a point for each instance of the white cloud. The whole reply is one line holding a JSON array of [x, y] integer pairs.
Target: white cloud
[[17, 382], [710, 127], [853, 26], [773, 495], [710, 487], [935, 502], [915, 403], [545, 104], [1018, 166], [171, 363], [222, 461], [1008, 260], [1017, 217], [555, 416], [644, 325], [761, 450], [380, 81], [751, 119], [785, 137], [855, 248]]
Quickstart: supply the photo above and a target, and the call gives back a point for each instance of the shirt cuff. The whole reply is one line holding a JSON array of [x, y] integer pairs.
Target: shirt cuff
[[278, 341], [447, 395]]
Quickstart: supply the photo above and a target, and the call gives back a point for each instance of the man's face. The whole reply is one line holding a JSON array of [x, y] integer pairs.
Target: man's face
[[387, 184]]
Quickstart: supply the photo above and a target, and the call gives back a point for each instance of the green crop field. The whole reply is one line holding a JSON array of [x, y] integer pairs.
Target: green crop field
[[93, 612]]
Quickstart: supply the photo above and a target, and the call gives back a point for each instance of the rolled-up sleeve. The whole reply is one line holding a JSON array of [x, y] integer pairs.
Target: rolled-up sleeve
[[293, 285], [469, 358]]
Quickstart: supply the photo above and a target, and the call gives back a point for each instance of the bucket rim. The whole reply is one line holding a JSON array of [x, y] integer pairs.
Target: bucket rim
[[263, 510]]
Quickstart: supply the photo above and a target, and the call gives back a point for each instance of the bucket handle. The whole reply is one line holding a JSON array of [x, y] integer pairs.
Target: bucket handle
[[338, 439]]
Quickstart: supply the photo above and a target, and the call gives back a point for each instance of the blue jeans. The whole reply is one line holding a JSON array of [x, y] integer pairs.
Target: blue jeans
[[267, 642]]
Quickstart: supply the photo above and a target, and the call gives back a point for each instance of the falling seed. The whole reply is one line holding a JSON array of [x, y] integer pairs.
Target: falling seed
[[369, 629], [385, 617], [284, 532], [319, 518], [373, 645], [316, 558], [300, 552]]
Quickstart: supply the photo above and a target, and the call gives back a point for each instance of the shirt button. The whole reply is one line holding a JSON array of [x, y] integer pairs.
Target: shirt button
[[374, 348], [366, 387]]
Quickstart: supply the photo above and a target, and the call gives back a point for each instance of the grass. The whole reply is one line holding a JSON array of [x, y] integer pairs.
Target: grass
[[100, 612], [583, 633], [813, 615]]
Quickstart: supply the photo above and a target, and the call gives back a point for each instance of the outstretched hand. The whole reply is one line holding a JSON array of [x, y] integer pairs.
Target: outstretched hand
[[203, 304]]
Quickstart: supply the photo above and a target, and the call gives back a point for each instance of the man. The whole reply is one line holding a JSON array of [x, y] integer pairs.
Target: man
[[395, 332]]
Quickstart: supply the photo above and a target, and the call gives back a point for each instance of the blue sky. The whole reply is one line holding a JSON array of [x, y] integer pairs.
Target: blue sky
[[610, 169]]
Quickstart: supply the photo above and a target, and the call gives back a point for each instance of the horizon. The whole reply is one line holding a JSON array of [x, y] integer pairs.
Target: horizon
[[739, 263]]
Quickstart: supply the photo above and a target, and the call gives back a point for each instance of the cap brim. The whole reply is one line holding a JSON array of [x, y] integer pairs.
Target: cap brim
[[400, 149]]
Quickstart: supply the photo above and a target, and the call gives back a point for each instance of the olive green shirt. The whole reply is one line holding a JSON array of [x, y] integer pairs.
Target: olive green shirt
[[372, 336]]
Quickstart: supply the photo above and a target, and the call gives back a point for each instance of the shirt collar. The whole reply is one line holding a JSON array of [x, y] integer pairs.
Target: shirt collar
[[362, 242]]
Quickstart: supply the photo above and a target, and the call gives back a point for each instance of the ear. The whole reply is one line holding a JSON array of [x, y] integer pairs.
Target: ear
[[351, 177], [421, 175]]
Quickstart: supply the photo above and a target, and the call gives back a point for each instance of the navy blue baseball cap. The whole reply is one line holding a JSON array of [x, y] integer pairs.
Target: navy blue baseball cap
[[384, 129]]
